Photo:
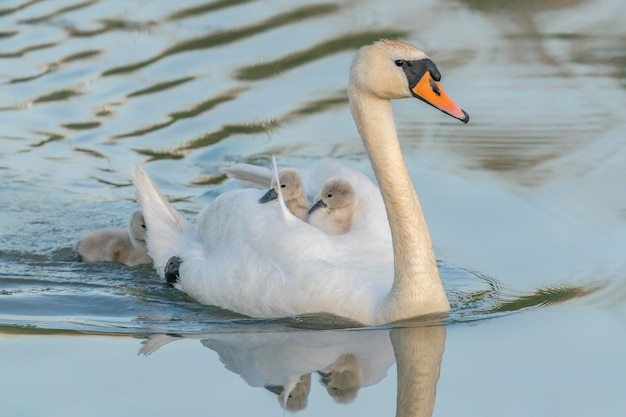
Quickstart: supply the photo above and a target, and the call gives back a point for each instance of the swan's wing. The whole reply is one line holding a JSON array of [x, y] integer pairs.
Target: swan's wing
[[151, 200], [167, 231], [253, 176], [250, 176]]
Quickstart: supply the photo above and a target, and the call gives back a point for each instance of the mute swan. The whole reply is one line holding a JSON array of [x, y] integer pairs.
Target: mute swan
[[256, 260], [123, 246], [334, 211], [293, 193]]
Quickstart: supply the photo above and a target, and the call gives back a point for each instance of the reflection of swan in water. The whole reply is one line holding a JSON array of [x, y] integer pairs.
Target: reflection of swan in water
[[280, 359], [346, 360], [418, 353], [343, 378]]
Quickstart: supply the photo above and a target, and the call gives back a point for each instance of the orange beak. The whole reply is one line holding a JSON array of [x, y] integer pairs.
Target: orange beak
[[430, 91]]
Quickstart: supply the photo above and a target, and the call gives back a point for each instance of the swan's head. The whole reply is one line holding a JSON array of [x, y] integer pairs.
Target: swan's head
[[290, 184], [137, 226], [391, 70], [337, 194]]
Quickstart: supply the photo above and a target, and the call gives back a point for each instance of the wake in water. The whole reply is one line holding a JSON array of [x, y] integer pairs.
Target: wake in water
[[58, 292]]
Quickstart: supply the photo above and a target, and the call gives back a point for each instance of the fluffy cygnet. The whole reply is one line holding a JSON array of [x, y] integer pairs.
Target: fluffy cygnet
[[334, 211], [123, 246], [293, 193]]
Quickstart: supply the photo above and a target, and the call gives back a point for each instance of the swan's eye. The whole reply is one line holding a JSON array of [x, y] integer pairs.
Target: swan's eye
[[399, 62], [282, 185]]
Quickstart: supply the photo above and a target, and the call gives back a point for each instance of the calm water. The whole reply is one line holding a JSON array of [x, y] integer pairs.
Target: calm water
[[526, 205]]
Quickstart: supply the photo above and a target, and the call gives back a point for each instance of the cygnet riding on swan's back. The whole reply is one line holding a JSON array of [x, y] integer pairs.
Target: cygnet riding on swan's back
[[254, 260], [336, 216], [293, 193], [125, 246], [334, 211]]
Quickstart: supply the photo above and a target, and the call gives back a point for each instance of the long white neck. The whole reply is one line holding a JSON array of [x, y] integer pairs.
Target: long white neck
[[417, 288]]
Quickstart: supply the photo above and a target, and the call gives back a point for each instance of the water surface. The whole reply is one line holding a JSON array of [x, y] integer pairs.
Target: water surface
[[525, 204]]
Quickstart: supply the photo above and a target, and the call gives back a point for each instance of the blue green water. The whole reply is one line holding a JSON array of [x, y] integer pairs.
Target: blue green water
[[526, 204]]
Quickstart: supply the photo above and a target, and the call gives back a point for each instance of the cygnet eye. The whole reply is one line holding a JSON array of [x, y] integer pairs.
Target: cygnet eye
[[144, 226], [282, 185], [329, 195]]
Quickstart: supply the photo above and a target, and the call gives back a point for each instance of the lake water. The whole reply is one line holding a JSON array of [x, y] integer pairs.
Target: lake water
[[526, 205]]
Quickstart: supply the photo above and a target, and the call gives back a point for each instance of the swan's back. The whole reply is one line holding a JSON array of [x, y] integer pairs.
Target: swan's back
[[300, 262]]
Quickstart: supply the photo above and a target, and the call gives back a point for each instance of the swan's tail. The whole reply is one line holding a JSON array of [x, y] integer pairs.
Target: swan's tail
[[155, 342], [167, 232], [250, 176]]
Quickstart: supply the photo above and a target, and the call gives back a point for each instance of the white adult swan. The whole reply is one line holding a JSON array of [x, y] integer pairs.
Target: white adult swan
[[258, 260]]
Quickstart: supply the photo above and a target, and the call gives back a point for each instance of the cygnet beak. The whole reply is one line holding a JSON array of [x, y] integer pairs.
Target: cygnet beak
[[320, 204], [270, 195]]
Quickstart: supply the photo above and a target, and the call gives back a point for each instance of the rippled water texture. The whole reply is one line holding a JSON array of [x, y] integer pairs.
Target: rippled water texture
[[526, 204]]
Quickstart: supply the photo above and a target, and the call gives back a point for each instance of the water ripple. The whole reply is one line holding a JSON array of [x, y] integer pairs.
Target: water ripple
[[194, 111], [11, 10], [213, 40], [341, 43], [59, 12], [22, 52]]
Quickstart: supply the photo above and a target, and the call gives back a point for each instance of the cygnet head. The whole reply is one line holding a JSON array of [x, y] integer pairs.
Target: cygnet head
[[337, 194], [290, 185], [343, 379], [297, 398], [137, 226], [390, 69]]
